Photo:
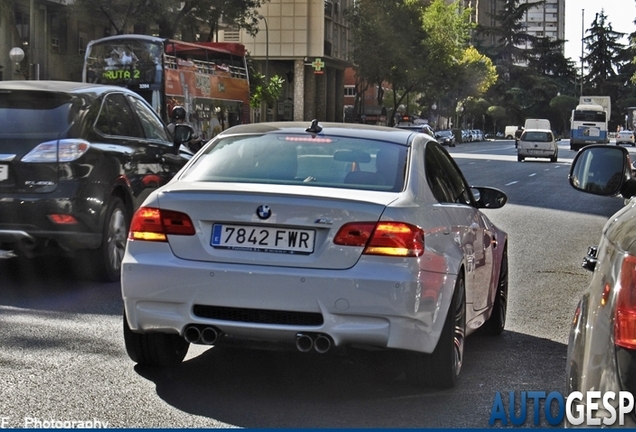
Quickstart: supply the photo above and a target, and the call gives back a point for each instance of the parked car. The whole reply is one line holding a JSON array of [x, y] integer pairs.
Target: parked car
[[423, 128], [625, 137], [537, 143], [445, 137], [317, 237], [602, 343], [76, 160]]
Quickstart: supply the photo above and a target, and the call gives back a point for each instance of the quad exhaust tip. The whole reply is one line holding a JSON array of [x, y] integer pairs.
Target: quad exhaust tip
[[206, 335], [321, 343]]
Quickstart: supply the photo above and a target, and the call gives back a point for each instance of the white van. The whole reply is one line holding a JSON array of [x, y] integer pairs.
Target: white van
[[537, 124]]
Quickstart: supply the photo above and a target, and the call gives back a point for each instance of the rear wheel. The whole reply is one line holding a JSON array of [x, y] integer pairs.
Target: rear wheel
[[107, 258], [442, 367], [154, 349], [497, 321], [554, 158], [520, 158]]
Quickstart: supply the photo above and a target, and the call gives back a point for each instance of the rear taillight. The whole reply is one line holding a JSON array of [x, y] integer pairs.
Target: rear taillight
[[625, 323], [64, 150], [383, 238], [153, 224]]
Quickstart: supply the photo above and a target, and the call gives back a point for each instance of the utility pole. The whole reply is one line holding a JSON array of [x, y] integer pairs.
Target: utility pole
[[582, 45]]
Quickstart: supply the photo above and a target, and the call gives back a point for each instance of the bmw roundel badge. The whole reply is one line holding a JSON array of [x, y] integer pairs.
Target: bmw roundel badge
[[263, 211]]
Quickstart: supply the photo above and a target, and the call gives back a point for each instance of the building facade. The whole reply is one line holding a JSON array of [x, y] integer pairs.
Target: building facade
[[306, 42], [52, 40]]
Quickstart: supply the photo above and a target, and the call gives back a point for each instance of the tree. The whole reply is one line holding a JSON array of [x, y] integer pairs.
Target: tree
[[509, 35], [603, 52], [564, 105], [395, 55], [497, 113]]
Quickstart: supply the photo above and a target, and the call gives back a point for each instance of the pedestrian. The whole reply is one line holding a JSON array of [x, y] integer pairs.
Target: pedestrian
[[518, 133]]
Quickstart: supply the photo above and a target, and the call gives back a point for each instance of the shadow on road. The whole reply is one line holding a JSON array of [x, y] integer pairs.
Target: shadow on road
[[56, 284], [264, 389]]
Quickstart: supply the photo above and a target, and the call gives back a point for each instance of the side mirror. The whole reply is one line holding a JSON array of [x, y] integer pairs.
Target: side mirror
[[487, 197], [602, 170], [182, 134]]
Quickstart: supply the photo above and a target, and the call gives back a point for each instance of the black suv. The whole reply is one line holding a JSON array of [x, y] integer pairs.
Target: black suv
[[76, 160]]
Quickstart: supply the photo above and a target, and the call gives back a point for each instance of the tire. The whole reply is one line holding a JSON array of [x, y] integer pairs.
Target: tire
[[553, 158], [441, 368], [520, 158], [154, 349], [497, 321], [106, 260]]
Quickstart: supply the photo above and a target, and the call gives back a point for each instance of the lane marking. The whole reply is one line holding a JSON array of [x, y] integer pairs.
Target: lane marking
[[532, 175], [511, 183]]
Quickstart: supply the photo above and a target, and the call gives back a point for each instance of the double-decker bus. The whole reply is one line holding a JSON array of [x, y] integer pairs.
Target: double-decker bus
[[209, 79]]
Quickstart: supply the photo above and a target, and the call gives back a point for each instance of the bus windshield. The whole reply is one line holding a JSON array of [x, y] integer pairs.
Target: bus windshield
[[208, 79], [124, 62]]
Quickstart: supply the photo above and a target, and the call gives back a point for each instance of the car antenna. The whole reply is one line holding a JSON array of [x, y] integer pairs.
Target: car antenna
[[314, 128]]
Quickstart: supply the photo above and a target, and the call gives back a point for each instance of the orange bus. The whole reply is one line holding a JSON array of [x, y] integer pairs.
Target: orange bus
[[209, 79]]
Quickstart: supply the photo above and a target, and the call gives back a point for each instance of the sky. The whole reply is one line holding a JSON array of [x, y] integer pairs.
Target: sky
[[620, 13]]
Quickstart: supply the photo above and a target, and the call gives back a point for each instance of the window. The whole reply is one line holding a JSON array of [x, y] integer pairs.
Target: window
[[81, 43], [116, 118], [444, 178], [153, 127], [350, 90]]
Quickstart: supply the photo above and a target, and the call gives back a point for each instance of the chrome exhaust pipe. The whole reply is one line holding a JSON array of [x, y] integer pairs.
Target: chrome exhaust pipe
[[304, 342], [322, 344], [209, 335], [192, 334]]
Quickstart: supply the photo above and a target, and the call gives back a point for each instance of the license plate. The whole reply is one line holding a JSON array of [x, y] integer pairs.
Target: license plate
[[263, 239], [4, 172]]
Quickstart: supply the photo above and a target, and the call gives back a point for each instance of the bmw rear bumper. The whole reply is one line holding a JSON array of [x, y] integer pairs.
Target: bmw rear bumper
[[373, 304]]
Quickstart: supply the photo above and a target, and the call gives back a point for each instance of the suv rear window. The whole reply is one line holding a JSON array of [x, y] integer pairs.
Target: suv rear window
[[34, 112]]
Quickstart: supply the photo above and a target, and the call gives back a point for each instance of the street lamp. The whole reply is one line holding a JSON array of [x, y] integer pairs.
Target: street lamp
[[266, 48], [434, 107], [16, 55]]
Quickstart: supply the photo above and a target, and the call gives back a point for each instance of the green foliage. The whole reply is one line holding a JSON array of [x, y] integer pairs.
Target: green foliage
[[263, 91]]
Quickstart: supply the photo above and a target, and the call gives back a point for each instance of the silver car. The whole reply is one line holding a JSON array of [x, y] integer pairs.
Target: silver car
[[317, 237], [602, 346], [537, 143]]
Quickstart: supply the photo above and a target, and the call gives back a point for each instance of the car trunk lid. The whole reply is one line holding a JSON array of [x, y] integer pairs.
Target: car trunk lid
[[290, 226]]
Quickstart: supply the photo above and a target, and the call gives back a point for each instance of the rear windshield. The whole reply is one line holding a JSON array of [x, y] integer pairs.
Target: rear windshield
[[34, 112], [589, 116], [302, 160], [537, 136]]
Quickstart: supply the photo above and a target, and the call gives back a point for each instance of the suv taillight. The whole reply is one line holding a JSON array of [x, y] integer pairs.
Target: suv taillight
[[64, 150], [383, 238], [625, 322], [153, 224]]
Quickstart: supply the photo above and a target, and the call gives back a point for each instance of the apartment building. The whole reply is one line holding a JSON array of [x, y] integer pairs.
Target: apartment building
[[544, 20]]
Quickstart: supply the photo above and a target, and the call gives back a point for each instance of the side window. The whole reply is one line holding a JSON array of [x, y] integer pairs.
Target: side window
[[117, 118], [152, 125], [446, 181]]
